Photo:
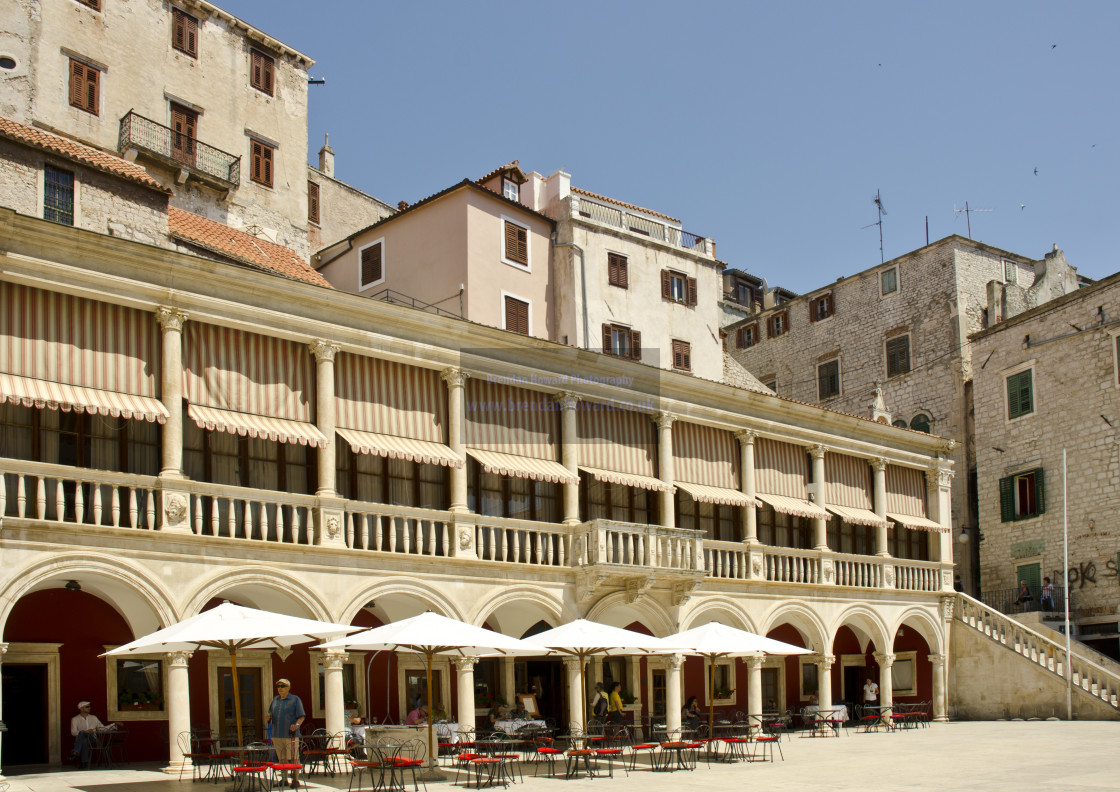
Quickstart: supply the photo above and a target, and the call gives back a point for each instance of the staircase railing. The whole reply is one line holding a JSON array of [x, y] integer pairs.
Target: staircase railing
[[1087, 676]]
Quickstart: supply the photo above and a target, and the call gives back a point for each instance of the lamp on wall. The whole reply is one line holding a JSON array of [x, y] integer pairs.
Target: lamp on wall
[[73, 585]]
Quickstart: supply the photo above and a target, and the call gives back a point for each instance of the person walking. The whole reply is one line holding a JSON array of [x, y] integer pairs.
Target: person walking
[[285, 715]]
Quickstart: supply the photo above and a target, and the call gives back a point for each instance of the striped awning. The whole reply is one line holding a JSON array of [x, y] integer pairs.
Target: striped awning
[[906, 491], [421, 451], [780, 469], [263, 427], [522, 467], [627, 479], [848, 481], [31, 392], [917, 523], [708, 494], [705, 454], [851, 514], [794, 506]]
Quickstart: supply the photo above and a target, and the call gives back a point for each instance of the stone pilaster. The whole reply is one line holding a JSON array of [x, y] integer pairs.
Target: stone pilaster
[[818, 490], [939, 506], [746, 440], [569, 449], [3, 651], [456, 380], [879, 466], [665, 469]]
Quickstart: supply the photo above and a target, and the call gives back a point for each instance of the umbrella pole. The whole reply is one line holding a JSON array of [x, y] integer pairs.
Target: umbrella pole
[[236, 694], [583, 693], [431, 757], [711, 694]]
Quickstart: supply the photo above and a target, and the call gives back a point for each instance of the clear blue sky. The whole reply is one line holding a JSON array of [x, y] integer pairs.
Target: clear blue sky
[[767, 126]]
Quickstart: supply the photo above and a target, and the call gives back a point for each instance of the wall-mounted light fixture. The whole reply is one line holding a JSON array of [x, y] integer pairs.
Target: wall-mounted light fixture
[[73, 585]]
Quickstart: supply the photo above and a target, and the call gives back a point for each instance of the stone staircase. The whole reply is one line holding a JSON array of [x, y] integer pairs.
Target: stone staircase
[[1013, 687]]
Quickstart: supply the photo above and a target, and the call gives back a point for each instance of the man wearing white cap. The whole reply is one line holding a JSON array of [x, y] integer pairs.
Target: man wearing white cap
[[285, 715], [82, 726]]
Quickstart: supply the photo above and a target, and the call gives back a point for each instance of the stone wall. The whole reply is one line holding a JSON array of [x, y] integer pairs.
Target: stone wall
[[342, 210]]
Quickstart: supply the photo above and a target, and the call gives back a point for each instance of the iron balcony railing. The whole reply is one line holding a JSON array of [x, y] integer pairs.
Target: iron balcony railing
[[1008, 601], [397, 298], [178, 150]]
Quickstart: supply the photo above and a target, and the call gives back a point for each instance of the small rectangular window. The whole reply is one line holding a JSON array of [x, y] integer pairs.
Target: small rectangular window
[[1022, 496], [517, 315], [58, 196], [1020, 394], [184, 32], [820, 307], [682, 356], [515, 246], [828, 380], [744, 295], [371, 264], [777, 324], [85, 91], [618, 271], [747, 336], [313, 202], [262, 70], [678, 288], [898, 356], [260, 169], [1009, 271], [511, 190], [889, 280], [621, 341]]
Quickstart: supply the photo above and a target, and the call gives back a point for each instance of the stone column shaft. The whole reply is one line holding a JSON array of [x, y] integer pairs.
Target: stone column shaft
[[673, 685], [820, 525], [178, 708], [325, 353], [940, 706], [824, 677], [171, 322], [747, 485], [575, 693], [334, 705], [665, 470], [465, 708], [886, 678], [755, 706], [456, 380], [879, 466], [569, 450]]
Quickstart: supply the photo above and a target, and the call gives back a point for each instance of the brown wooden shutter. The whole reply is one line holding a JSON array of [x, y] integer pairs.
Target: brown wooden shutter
[[184, 36], [635, 345], [618, 270], [608, 347], [261, 166], [741, 337], [813, 310], [184, 129], [77, 80], [261, 71], [666, 284], [93, 96], [690, 297], [371, 264], [84, 92], [517, 316], [313, 202], [517, 243], [686, 355]]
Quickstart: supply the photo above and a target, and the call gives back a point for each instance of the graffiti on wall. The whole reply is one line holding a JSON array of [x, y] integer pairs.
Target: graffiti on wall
[[1088, 572]]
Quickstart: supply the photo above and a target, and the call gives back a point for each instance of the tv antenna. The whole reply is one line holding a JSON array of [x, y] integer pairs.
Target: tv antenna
[[878, 201], [967, 212]]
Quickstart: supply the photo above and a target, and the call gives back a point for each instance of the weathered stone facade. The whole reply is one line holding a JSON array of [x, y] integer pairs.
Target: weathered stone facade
[[342, 210], [1070, 347]]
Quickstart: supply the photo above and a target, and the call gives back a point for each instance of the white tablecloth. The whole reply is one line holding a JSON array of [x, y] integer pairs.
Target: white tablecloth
[[838, 712], [511, 726]]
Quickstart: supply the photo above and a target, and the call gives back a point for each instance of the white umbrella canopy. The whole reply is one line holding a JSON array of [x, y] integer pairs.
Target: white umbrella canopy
[[432, 634], [232, 628], [583, 639], [714, 640]]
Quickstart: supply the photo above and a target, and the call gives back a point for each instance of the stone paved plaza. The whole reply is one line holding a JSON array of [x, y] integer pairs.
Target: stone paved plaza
[[983, 756]]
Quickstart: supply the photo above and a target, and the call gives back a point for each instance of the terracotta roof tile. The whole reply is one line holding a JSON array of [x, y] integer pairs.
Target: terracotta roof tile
[[496, 171], [624, 204], [240, 246], [94, 158]]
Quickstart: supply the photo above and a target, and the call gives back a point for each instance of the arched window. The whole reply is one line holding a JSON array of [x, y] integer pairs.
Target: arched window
[[920, 423], [901, 424]]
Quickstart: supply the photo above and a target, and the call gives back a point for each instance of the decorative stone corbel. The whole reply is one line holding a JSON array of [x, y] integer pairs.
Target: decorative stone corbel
[[638, 587]]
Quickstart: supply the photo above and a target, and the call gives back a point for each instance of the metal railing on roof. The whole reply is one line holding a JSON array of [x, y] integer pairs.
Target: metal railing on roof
[[637, 224], [178, 149], [397, 298]]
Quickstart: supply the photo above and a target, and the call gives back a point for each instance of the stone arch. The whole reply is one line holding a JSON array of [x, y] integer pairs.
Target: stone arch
[[926, 625], [141, 599], [496, 610], [272, 589], [722, 609], [812, 629], [613, 609], [398, 587], [861, 619]]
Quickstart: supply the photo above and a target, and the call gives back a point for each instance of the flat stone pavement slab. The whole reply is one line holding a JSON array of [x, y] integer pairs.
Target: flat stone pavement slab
[[1003, 756]]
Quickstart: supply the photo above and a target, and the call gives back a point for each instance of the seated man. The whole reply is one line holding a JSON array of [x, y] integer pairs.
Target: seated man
[[82, 726], [417, 716]]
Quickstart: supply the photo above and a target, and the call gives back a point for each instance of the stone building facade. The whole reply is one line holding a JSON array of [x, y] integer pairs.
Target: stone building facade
[[335, 209], [1050, 384], [900, 330]]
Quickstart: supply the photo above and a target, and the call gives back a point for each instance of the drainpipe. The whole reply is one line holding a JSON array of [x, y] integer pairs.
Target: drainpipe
[[582, 283]]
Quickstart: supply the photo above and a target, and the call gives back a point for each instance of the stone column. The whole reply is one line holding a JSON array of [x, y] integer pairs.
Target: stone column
[[886, 678], [569, 450], [746, 484], [673, 692], [456, 380], [820, 525], [509, 681], [171, 321], [334, 705], [824, 680], [178, 708], [940, 710], [939, 507], [664, 421], [3, 651], [755, 706], [325, 352], [575, 693], [464, 667], [879, 465]]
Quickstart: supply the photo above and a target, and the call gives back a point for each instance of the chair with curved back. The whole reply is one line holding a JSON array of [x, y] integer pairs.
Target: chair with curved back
[[253, 771], [193, 754]]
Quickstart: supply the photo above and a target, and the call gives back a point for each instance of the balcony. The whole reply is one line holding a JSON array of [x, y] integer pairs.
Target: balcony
[[603, 554], [590, 209], [191, 157]]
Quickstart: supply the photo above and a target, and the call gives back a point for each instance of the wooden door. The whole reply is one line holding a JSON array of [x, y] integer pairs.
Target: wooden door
[[184, 130]]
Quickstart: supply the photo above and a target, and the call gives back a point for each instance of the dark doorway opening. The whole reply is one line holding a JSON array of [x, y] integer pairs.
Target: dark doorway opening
[[27, 740]]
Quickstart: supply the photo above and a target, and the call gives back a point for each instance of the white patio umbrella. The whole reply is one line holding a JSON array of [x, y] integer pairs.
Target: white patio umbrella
[[232, 628], [714, 640], [584, 639], [431, 634]]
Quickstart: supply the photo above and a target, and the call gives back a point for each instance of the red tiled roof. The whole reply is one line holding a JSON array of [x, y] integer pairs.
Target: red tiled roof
[[624, 204], [94, 158], [240, 246], [496, 171]]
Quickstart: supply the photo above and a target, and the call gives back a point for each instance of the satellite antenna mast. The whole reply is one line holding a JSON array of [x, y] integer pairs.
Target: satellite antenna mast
[[878, 201], [967, 212]]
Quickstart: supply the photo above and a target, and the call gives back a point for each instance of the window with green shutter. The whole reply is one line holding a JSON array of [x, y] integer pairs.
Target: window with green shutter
[[1020, 394], [1022, 496]]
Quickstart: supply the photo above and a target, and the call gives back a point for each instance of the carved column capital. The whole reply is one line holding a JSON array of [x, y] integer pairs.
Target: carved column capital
[[466, 663], [178, 659], [884, 659], [567, 400], [825, 661], [675, 661], [322, 349], [746, 436], [818, 451], [878, 464], [171, 318], [754, 662], [938, 477], [333, 659], [664, 419], [3, 651], [571, 665], [936, 660], [454, 377]]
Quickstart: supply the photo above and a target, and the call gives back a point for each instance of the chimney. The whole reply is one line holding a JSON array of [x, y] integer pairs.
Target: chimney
[[326, 158]]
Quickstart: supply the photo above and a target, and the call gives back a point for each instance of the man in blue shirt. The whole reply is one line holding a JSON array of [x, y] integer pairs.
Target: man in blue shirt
[[286, 715]]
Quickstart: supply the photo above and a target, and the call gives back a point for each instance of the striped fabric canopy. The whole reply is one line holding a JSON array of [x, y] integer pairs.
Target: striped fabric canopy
[[780, 469], [705, 455], [906, 491], [628, 479], [393, 447], [389, 398], [722, 495], [857, 516], [71, 353], [522, 467], [261, 426], [615, 439], [848, 480], [511, 420]]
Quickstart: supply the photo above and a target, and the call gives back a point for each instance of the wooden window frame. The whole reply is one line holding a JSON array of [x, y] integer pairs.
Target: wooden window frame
[[1018, 384], [741, 336], [516, 254], [821, 374], [634, 336], [883, 291], [85, 86], [511, 190], [184, 32], [380, 272], [739, 287], [681, 355], [894, 354], [512, 300], [1022, 496], [618, 270], [773, 330], [313, 202], [262, 71], [821, 307], [688, 290], [262, 162]]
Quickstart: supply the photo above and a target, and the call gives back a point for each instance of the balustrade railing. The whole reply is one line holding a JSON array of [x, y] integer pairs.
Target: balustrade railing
[[521, 541], [396, 529], [727, 560], [630, 544], [178, 149], [60, 493], [858, 571], [916, 575], [792, 566], [255, 515], [1010, 600], [609, 215]]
